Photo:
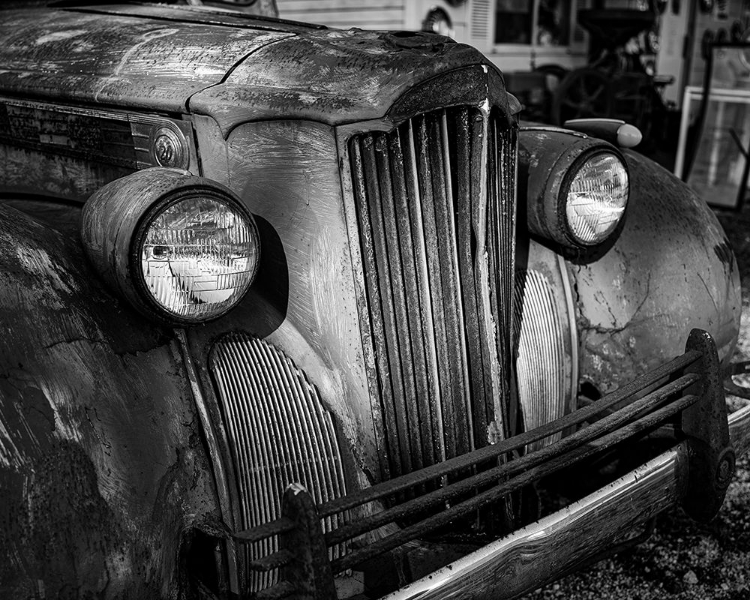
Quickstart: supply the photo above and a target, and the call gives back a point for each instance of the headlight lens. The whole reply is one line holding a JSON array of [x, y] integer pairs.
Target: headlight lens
[[597, 197], [198, 256]]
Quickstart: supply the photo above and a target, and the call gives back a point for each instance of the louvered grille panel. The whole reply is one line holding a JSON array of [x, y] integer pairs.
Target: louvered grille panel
[[278, 433], [435, 206], [542, 366]]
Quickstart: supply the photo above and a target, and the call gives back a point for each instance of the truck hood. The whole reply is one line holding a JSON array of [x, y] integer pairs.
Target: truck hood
[[336, 76], [133, 56], [230, 66]]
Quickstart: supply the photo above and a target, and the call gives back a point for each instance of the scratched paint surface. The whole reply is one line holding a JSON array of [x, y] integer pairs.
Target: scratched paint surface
[[102, 474], [671, 270], [121, 59], [303, 299], [329, 75]]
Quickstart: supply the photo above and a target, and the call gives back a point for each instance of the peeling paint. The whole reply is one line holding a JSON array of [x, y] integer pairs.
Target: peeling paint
[[37, 262], [669, 270], [58, 36]]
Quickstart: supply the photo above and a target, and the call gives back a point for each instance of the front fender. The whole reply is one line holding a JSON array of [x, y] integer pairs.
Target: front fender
[[670, 269], [102, 469]]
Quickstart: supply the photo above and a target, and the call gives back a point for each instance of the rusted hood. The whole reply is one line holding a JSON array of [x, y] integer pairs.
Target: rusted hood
[[233, 67], [332, 76], [134, 56]]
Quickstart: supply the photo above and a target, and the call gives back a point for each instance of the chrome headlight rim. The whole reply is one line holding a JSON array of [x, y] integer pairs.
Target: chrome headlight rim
[[567, 181], [214, 192]]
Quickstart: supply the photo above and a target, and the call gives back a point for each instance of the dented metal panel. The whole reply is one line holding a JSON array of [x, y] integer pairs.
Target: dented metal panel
[[670, 268]]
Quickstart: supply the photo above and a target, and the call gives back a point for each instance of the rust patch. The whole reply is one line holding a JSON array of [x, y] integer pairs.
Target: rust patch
[[60, 525]]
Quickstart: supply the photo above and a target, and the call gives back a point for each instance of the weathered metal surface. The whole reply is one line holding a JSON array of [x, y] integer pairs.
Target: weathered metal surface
[[483, 455], [441, 342], [545, 338], [118, 406], [302, 301], [103, 478], [310, 573], [27, 171], [335, 77], [162, 57], [110, 137], [125, 59], [669, 269], [509, 567], [635, 417], [711, 459], [278, 433]]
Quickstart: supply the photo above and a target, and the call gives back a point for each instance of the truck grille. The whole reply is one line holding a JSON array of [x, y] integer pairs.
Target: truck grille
[[542, 367], [435, 202], [278, 432]]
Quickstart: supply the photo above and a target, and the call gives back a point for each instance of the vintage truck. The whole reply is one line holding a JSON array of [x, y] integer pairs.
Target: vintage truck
[[291, 311]]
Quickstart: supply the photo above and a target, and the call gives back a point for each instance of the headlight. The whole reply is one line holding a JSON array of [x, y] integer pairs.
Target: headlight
[[181, 248], [596, 198], [577, 187]]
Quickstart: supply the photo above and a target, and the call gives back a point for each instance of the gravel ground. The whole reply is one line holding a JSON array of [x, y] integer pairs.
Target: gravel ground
[[683, 560]]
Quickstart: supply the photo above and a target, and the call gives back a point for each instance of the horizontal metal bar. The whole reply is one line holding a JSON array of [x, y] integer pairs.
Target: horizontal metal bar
[[393, 486], [272, 561], [266, 530], [509, 567], [465, 461], [508, 469], [412, 532], [283, 589]]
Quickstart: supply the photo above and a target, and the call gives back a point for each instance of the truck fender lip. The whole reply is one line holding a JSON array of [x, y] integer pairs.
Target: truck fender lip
[[564, 540]]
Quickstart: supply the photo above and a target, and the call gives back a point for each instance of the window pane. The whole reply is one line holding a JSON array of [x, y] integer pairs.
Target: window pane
[[513, 21], [554, 23]]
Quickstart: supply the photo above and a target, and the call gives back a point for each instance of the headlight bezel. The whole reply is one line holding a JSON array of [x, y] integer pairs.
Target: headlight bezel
[[573, 171], [115, 221], [141, 231], [549, 160]]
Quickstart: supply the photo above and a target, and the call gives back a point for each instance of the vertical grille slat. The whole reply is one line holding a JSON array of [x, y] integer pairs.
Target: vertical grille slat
[[439, 187], [376, 319], [425, 415], [278, 433], [446, 243], [387, 308], [397, 286], [469, 202], [440, 245], [431, 331], [481, 199]]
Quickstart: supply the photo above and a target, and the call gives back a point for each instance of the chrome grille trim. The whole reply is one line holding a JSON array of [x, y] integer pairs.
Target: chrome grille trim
[[435, 206], [541, 365], [278, 432]]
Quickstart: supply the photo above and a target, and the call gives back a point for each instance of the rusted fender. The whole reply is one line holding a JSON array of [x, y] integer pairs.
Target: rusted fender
[[103, 477], [670, 270]]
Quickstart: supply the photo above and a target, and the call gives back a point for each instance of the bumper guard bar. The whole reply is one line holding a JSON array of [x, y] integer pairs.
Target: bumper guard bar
[[701, 462]]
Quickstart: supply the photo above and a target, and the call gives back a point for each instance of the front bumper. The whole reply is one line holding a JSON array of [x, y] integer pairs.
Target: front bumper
[[685, 394], [569, 538]]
